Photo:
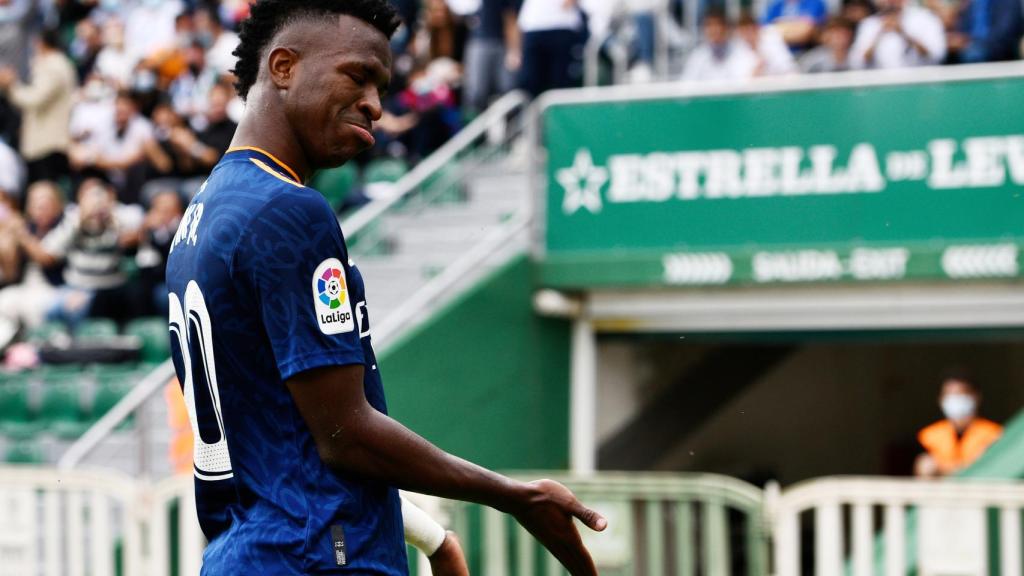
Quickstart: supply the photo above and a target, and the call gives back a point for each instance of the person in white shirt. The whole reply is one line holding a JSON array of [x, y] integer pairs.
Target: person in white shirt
[[899, 36], [552, 38], [720, 57], [774, 55], [220, 44], [118, 149]]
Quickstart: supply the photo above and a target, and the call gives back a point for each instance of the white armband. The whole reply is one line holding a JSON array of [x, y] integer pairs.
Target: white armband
[[421, 531]]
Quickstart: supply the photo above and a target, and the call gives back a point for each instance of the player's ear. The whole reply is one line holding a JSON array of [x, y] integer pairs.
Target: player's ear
[[282, 63]]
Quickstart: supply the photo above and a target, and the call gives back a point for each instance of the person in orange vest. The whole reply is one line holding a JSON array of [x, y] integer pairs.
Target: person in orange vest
[[180, 446], [955, 442]]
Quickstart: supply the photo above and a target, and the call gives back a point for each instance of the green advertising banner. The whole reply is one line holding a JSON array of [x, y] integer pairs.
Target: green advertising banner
[[883, 183]]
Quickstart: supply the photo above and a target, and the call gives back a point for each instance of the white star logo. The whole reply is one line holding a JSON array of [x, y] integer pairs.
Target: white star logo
[[582, 183]]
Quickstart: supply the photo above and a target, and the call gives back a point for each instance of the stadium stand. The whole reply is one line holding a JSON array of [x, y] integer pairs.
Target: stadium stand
[[437, 215]]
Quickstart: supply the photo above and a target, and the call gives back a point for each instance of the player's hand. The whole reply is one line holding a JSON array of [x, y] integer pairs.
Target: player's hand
[[548, 515], [449, 559]]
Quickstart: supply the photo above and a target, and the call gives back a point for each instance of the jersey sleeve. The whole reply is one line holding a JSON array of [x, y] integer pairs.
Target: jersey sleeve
[[292, 263]]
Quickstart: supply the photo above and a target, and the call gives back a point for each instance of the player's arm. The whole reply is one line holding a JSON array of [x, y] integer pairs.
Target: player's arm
[[441, 547], [354, 438]]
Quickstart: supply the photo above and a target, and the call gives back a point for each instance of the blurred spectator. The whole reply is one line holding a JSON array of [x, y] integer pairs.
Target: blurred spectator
[[796, 20], [15, 33], [899, 36], [86, 47], [439, 25], [492, 53], [833, 55], [91, 240], [114, 63], [45, 105], [773, 56], [424, 115], [25, 303], [957, 441], [986, 31], [218, 43], [12, 173], [720, 57], [191, 89], [150, 26], [155, 236], [206, 147], [9, 263], [118, 150], [167, 165], [553, 34], [856, 11]]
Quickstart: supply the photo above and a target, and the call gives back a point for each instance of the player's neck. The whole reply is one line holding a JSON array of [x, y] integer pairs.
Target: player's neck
[[268, 130]]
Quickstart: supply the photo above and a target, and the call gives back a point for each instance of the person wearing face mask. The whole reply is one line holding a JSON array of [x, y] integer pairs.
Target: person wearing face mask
[[958, 440]]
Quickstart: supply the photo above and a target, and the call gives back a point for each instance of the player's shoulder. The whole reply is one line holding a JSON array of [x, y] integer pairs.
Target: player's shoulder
[[260, 184]]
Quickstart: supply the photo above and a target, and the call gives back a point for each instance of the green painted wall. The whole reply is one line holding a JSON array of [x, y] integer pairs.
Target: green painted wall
[[486, 378]]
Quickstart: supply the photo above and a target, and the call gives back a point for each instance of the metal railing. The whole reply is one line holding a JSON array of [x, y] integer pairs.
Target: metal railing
[[491, 123], [81, 522], [658, 524], [943, 524], [53, 523]]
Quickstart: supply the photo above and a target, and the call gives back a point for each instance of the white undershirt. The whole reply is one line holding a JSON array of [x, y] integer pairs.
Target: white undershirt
[[539, 15]]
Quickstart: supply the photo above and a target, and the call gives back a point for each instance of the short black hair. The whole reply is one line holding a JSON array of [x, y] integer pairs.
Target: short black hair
[[960, 374], [716, 13], [268, 17], [50, 37]]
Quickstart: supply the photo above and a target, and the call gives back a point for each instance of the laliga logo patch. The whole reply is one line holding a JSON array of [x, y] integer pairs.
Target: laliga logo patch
[[330, 298]]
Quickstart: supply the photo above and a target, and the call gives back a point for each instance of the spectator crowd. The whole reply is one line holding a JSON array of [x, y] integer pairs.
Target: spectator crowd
[[813, 36], [112, 112]]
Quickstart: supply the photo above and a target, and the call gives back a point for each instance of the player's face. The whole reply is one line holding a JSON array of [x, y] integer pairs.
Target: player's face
[[336, 95]]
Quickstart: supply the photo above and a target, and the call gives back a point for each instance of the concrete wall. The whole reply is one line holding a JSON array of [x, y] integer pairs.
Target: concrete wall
[[486, 378]]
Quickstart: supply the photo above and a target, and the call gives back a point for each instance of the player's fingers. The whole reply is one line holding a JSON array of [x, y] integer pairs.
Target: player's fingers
[[589, 517], [575, 557]]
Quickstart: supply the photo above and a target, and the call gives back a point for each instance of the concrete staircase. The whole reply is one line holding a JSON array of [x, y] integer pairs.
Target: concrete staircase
[[417, 242]]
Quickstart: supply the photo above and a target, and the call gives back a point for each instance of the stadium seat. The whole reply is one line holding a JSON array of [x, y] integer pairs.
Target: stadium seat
[[24, 452], [336, 184], [108, 393], [96, 327], [46, 331], [113, 381], [384, 170], [156, 344], [16, 418], [61, 409]]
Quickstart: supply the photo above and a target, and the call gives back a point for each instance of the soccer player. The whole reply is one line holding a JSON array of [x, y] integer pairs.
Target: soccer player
[[296, 461]]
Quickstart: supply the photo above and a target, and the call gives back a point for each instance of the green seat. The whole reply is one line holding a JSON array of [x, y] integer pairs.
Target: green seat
[[97, 328], [61, 409], [46, 331], [336, 184], [108, 394], [156, 343], [385, 170], [63, 373], [16, 415], [24, 452], [113, 381]]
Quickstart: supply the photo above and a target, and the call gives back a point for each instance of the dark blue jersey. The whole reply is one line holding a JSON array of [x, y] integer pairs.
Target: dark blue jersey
[[261, 288]]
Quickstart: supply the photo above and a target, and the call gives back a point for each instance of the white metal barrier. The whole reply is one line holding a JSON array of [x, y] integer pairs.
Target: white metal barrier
[[78, 523], [53, 523], [75, 523], [943, 524]]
